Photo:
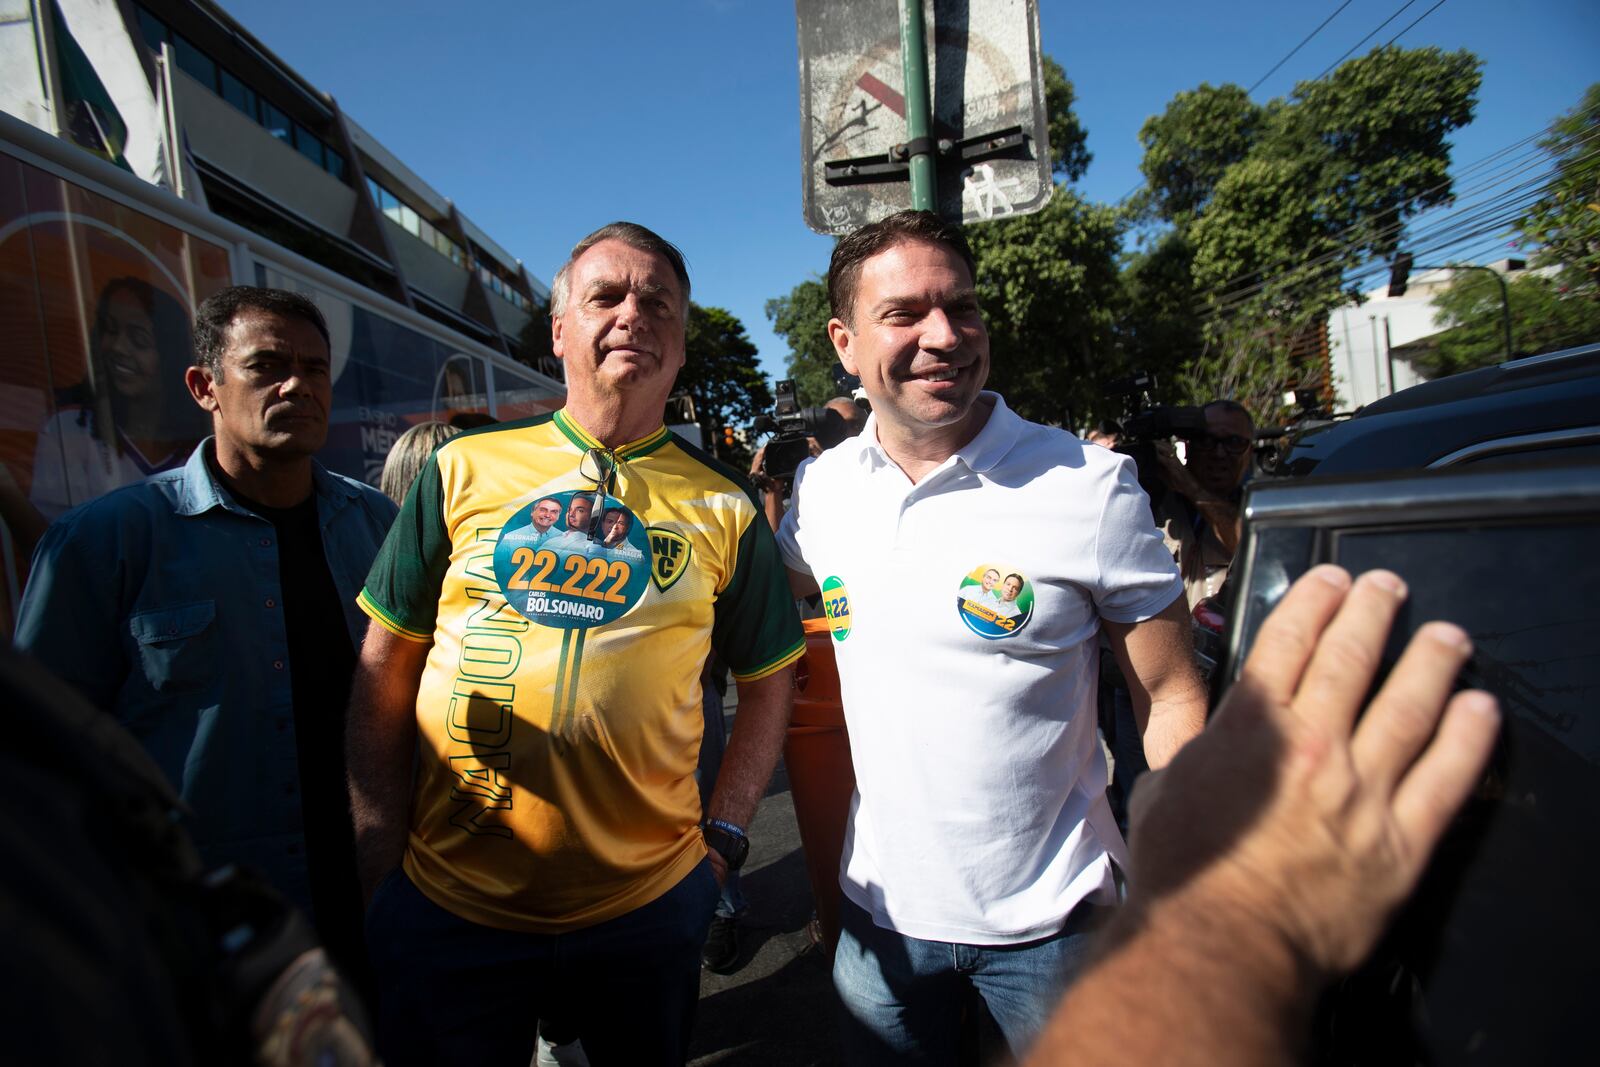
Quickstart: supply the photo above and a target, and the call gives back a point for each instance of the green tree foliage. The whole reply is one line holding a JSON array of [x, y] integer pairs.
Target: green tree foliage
[[721, 371], [1188, 148], [1332, 177], [801, 319], [1548, 312], [1048, 286], [1069, 141], [1278, 203], [1157, 329], [1565, 222]]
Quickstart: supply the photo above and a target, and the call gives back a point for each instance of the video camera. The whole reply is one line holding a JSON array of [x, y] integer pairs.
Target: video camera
[[791, 427], [1143, 425], [1142, 422]]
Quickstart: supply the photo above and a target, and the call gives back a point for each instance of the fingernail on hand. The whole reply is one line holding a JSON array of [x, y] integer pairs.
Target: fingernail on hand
[[1387, 580], [1478, 702], [1449, 634], [1335, 576]]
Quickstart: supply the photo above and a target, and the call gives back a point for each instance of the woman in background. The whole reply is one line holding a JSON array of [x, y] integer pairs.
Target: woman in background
[[411, 449], [133, 416]]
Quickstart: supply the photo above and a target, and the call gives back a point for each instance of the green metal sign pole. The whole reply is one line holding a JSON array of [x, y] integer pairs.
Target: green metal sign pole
[[919, 115]]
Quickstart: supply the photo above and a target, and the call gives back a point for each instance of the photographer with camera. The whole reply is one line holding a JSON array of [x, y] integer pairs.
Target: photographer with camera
[[799, 436], [1199, 512], [1195, 504]]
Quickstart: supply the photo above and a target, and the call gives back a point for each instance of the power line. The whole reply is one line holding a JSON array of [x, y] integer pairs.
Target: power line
[[1332, 66], [1489, 218], [1365, 39], [1470, 224], [1297, 48], [1323, 25], [1493, 185], [1464, 234], [1418, 19]]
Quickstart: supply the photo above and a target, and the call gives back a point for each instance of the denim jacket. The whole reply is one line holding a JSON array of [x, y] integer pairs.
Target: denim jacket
[[161, 602]]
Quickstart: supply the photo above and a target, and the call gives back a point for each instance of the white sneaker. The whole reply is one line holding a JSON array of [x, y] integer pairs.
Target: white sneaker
[[569, 1055]]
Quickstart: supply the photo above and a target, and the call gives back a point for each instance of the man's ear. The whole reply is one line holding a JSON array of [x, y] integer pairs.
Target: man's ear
[[843, 344], [555, 335], [201, 387]]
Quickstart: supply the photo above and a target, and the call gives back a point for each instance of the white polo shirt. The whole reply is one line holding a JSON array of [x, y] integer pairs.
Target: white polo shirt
[[980, 814]]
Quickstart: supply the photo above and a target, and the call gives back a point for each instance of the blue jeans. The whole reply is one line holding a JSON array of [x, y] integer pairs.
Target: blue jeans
[[902, 996], [713, 742], [452, 992]]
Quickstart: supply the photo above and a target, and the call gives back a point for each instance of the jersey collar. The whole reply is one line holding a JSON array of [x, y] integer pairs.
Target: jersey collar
[[585, 441]]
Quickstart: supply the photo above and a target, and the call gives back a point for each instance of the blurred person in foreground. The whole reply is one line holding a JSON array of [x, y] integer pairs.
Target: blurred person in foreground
[[1269, 856], [211, 608], [550, 857], [125, 947], [406, 456], [980, 851]]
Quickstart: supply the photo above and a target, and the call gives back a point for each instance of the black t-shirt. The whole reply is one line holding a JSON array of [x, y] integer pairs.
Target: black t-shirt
[[321, 663]]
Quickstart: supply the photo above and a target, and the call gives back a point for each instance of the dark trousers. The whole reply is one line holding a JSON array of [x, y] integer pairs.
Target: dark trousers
[[454, 992]]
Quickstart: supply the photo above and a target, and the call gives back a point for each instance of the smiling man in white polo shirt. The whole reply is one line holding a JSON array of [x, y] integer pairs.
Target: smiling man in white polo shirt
[[980, 845]]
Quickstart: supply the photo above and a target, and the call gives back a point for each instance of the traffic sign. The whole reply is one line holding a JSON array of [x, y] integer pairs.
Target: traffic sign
[[989, 120]]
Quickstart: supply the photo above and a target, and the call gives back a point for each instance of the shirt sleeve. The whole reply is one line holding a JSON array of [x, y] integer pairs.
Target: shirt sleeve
[[1138, 578], [789, 532], [70, 616], [755, 629], [402, 590]]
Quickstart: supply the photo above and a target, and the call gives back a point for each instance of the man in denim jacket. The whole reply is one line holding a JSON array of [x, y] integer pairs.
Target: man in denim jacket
[[211, 609]]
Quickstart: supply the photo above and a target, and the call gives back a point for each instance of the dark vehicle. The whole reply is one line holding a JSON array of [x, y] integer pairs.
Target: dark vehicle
[[1483, 492], [1540, 408]]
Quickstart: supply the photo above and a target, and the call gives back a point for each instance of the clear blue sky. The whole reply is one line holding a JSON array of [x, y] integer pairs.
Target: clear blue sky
[[544, 120]]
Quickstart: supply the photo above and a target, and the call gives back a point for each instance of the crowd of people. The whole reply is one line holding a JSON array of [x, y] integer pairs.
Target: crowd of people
[[471, 724]]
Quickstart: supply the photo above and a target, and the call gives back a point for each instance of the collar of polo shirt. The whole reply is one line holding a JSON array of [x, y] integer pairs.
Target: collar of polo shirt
[[982, 453]]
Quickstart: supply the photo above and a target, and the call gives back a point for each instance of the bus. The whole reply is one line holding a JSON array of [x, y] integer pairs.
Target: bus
[[100, 273]]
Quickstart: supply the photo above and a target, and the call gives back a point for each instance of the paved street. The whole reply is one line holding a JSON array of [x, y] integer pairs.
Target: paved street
[[778, 1009]]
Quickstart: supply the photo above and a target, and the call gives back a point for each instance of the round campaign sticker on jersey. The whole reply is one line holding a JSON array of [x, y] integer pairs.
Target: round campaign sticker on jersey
[[836, 605], [553, 572], [994, 600]]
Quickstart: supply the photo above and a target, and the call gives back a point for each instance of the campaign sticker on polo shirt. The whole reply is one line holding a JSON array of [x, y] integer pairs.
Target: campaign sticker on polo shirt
[[836, 606], [994, 601], [551, 571]]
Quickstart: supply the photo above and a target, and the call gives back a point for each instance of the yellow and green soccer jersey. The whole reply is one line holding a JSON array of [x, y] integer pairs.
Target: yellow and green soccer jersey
[[559, 714]]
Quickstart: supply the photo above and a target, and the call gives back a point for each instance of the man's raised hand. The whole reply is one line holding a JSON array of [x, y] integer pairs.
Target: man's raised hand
[[1289, 810]]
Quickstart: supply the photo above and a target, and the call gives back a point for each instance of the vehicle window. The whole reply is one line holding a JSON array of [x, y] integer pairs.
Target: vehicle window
[[1530, 597], [1519, 871], [1584, 452]]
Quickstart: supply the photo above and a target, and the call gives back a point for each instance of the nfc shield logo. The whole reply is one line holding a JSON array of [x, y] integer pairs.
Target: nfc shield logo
[[669, 556]]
